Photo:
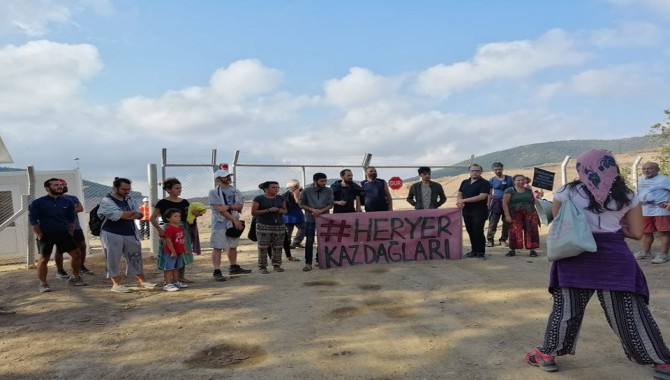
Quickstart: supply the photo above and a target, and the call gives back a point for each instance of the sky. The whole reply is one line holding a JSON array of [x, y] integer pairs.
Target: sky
[[411, 82]]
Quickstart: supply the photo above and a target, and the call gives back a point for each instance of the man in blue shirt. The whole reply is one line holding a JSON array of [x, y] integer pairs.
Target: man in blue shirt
[[499, 183], [52, 220], [376, 194], [78, 236]]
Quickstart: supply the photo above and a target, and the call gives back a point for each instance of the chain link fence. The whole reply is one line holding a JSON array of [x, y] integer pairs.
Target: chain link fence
[[194, 169]]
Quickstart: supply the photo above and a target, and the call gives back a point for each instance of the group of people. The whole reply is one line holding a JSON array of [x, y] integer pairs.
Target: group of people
[[501, 198], [613, 212]]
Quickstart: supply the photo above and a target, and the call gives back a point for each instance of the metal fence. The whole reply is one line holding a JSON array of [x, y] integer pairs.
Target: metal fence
[[195, 170]]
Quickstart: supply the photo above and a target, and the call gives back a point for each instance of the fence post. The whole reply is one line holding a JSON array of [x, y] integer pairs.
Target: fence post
[[32, 248], [634, 172], [152, 173], [564, 170]]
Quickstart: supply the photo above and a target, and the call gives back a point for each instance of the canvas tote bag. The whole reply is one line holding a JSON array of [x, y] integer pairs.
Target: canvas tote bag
[[569, 234]]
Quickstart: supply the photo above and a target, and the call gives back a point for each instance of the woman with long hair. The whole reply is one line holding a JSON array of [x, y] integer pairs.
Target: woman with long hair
[[519, 208], [613, 212], [269, 209], [173, 200]]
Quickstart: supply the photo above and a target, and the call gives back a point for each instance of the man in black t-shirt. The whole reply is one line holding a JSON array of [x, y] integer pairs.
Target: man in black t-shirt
[[347, 193], [472, 199]]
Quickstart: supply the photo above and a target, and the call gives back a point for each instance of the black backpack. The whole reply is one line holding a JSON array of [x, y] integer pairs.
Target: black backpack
[[95, 221]]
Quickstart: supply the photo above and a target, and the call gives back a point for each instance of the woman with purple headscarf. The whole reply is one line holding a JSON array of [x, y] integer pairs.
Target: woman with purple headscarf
[[611, 271]]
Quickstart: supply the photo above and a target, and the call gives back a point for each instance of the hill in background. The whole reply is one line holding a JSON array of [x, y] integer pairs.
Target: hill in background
[[541, 153]]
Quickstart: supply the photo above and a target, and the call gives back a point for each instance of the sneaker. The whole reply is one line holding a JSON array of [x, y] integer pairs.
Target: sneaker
[[662, 371], [660, 258], [62, 275], [264, 270], [146, 285], [44, 288], [171, 288], [545, 362], [76, 281], [470, 255], [185, 280], [511, 253], [236, 269], [180, 284], [85, 270], [120, 289], [533, 253], [218, 276], [292, 258], [297, 245], [481, 256], [307, 268], [641, 255], [490, 243], [278, 268], [503, 243]]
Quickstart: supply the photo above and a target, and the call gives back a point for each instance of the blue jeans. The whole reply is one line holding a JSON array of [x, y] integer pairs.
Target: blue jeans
[[309, 244]]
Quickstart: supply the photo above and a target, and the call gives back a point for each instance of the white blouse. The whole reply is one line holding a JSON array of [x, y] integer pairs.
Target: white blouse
[[608, 221]]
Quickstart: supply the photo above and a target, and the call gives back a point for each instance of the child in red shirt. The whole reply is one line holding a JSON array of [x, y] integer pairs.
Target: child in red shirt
[[173, 249]]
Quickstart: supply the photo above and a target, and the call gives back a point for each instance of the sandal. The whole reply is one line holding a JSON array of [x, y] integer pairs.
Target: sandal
[[533, 253], [545, 362], [291, 258]]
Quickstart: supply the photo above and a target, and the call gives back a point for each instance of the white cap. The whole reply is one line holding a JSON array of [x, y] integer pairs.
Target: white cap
[[145, 199], [221, 173]]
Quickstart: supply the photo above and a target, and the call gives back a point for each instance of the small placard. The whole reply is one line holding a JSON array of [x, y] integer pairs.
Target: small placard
[[543, 179]]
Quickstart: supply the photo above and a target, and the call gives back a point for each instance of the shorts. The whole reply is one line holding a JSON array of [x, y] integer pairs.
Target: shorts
[[79, 236], [173, 262], [656, 224], [61, 240], [220, 240]]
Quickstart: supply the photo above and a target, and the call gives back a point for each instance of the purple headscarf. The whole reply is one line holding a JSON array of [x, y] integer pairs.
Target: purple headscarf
[[597, 170]]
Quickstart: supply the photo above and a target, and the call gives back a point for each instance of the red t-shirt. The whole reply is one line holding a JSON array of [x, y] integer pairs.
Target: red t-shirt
[[176, 234]]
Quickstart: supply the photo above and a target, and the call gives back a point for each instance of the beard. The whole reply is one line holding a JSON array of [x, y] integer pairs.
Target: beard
[[372, 176], [65, 189]]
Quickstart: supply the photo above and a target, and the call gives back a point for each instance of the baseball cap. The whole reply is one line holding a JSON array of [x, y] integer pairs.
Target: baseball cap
[[221, 173], [145, 199]]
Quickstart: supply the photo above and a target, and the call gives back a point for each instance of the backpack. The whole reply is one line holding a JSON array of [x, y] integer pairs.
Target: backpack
[[95, 221]]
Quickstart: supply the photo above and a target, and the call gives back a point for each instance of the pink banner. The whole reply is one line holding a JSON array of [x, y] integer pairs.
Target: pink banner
[[388, 237]]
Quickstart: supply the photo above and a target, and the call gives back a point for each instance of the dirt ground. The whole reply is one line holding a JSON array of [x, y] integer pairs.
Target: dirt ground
[[465, 319]]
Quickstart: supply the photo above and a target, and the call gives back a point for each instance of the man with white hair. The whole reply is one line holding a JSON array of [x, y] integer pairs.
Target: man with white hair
[[227, 203], [654, 193]]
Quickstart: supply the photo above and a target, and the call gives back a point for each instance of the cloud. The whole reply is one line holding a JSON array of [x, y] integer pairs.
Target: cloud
[[35, 17], [361, 86], [244, 79], [42, 76], [502, 60], [655, 5], [242, 97], [628, 34], [615, 82]]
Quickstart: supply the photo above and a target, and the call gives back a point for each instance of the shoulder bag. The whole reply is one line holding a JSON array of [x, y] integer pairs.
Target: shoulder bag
[[569, 234]]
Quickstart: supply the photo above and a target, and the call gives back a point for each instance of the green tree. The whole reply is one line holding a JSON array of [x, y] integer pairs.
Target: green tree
[[660, 132]]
